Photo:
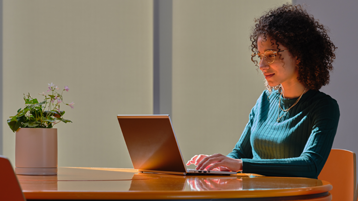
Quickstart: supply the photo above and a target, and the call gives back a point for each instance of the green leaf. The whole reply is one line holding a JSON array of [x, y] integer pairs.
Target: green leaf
[[31, 125], [45, 113], [50, 113], [23, 112], [43, 102], [31, 101], [13, 118], [64, 120], [51, 120], [14, 125], [36, 112], [15, 122]]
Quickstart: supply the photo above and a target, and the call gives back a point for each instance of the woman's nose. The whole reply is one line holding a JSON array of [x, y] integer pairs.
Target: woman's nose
[[263, 64]]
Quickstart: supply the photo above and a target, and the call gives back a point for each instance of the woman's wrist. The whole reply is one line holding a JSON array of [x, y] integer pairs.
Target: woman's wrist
[[240, 165]]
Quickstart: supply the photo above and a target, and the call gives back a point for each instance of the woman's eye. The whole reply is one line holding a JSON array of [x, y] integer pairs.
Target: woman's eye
[[271, 56]]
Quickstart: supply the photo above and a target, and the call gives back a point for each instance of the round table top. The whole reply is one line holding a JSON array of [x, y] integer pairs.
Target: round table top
[[121, 183]]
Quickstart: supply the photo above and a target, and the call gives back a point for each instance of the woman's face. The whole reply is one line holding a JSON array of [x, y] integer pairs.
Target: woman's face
[[279, 71]]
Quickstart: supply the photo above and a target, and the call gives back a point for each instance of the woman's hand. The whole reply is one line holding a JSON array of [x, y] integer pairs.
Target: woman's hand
[[196, 159], [218, 161]]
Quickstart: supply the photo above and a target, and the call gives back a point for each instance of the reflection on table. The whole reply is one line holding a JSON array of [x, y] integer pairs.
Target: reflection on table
[[117, 183]]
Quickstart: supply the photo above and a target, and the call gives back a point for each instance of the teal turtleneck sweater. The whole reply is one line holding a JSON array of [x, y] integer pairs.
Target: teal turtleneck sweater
[[298, 145]]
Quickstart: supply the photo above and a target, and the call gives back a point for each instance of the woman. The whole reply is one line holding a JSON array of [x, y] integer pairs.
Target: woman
[[292, 126]]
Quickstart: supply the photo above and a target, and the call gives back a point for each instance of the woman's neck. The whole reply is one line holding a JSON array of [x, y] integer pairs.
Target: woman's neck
[[293, 90]]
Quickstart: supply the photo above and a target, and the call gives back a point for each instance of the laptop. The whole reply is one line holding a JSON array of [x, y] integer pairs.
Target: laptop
[[153, 147]]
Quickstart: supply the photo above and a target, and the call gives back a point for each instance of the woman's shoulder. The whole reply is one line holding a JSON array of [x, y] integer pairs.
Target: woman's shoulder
[[324, 104], [319, 97]]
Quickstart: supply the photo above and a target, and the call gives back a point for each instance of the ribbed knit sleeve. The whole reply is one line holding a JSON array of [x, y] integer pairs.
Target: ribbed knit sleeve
[[298, 144]]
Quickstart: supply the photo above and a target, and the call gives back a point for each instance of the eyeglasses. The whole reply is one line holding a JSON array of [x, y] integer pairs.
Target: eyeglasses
[[269, 55]]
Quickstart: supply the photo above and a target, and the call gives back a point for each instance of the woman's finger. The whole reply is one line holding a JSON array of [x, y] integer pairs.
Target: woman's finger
[[200, 158], [196, 159], [207, 161], [192, 160], [214, 165]]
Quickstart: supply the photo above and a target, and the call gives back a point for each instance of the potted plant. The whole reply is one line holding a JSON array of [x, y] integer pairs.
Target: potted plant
[[36, 139]]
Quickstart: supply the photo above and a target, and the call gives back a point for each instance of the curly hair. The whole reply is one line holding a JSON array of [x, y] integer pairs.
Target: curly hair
[[304, 37]]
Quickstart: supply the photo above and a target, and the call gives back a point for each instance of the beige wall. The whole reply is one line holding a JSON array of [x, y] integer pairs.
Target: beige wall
[[101, 49], [215, 84]]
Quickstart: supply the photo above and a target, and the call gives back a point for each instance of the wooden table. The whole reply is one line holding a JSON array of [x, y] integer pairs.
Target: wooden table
[[128, 184]]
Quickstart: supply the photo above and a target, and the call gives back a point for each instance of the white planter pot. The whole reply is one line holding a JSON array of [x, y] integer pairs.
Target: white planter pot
[[36, 151]]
